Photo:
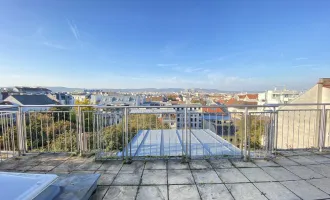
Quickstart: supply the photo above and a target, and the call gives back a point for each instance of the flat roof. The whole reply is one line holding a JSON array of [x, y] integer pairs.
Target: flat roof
[[171, 142]]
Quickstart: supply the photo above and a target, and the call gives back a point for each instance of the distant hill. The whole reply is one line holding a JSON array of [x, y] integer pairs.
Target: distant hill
[[165, 90]]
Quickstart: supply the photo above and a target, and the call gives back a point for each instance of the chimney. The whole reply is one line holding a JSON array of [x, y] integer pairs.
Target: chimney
[[324, 81]]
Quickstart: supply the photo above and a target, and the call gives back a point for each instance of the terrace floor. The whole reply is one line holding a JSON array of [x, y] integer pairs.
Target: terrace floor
[[289, 176]]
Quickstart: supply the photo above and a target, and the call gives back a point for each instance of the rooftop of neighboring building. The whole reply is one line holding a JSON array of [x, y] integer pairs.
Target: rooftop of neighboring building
[[32, 99]]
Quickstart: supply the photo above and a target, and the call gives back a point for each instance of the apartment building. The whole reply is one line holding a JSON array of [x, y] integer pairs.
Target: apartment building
[[301, 126], [194, 116]]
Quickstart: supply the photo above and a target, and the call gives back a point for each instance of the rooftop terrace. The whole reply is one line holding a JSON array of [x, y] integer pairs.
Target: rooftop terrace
[[292, 175]]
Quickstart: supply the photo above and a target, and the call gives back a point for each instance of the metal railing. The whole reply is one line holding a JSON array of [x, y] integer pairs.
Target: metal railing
[[166, 132]]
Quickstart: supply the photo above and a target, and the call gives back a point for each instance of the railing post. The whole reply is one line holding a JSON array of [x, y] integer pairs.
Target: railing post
[[126, 134], [186, 132], [80, 139], [275, 134], [322, 128], [20, 134], [245, 135]]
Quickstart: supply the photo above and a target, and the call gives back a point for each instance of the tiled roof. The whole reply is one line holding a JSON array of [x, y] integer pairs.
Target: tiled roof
[[212, 110], [252, 96], [34, 99]]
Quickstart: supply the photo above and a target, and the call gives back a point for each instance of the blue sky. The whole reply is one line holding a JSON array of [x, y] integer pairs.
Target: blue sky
[[227, 45]]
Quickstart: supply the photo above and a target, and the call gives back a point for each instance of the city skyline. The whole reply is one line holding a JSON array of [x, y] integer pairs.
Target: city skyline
[[235, 46]]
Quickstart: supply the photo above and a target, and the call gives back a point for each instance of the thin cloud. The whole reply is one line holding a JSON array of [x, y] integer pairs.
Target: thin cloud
[[74, 29], [300, 66], [190, 70], [55, 46], [301, 58], [167, 65]]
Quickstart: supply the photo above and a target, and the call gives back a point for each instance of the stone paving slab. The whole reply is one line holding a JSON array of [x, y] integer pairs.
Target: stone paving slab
[[106, 179], [318, 158], [134, 167], [158, 192], [303, 172], [305, 190], [111, 166], [276, 191], [280, 174], [206, 176], [177, 164], [302, 160], [199, 164], [256, 174], [154, 177], [221, 163], [245, 191], [157, 164], [183, 192], [89, 166], [99, 193], [322, 183], [121, 193], [231, 176], [200, 178], [42, 168], [265, 163], [321, 169], [127, 179], [241, 163], [214, 191], [180, 177], [284, 161]]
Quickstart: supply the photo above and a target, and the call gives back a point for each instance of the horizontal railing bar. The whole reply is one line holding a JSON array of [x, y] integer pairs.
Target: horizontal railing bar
[[175, 106]]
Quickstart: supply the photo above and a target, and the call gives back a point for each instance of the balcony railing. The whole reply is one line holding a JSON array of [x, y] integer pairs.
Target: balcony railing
[[155, 132]]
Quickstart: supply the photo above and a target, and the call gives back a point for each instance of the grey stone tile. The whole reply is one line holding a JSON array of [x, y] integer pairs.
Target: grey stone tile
[[23, 168], [183, 192], [318, 158], [36, 172], [89, 166], [206, 176], [222, 163], [285, 161], [305, 190], [106, 179], [157, 164], [302, 160], [303, 172], [134, 167], [200, 164], [154, 177], [245, 191], [256, 174], [99, 193], [82, 172], [214, 191], [280, 174], [111, 166], [265, 163], [180, 177], [232, 175], [127, 179], [322, 183], [157, 192], [121, 193], [52, 162], [241, 163], [42, 168], [276, 191], [321, 169], [176, 164], [326, 155]]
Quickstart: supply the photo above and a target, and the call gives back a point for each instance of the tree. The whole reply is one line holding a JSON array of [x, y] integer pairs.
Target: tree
[[256, 128]]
